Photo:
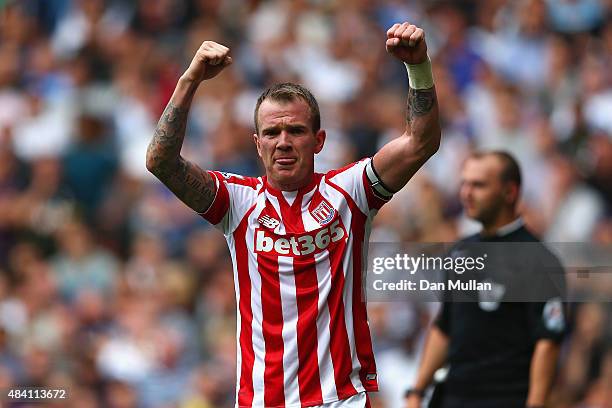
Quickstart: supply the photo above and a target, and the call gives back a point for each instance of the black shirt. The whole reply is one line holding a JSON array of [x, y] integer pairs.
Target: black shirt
[[491, 343]]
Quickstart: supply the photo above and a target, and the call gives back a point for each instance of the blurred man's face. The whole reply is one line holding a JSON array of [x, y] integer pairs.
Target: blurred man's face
[[482, 192], [286, 143]]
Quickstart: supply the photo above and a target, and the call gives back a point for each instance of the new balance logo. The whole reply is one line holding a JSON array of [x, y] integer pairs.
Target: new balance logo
[[305, 244], [268, 221]]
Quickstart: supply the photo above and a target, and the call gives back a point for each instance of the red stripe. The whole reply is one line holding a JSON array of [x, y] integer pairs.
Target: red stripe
[[307, 297], [215, 213], [363, 341], [272, 328], [339, 342], [245, 393]]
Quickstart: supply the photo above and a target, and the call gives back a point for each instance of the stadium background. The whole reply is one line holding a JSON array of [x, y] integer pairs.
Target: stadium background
[[113, 289]]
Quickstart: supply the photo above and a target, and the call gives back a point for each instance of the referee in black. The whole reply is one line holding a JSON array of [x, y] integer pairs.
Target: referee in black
[[499, 354]]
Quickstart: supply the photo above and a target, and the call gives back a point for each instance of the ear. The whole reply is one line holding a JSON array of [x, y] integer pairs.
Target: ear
[[512, 193], [320, 137], [256, 140]]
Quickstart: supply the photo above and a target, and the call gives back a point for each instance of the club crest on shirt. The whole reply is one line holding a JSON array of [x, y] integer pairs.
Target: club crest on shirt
[[268, 221], [323, 213]]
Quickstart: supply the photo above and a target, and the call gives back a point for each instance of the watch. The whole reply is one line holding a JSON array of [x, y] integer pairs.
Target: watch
[[416, 391]]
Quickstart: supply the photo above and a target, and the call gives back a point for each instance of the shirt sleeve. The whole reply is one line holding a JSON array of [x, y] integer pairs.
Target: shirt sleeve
[[360, 181], [547, 314], [547, 319], [442, 320], [220, 205], [235, 195]]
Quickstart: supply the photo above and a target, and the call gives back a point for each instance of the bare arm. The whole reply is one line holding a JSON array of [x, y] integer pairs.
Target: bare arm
[[186, 180], [434, 357], [400, 159], [542, 371]]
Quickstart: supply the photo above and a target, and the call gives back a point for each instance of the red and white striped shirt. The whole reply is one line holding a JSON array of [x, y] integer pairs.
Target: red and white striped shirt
[[303, 334]]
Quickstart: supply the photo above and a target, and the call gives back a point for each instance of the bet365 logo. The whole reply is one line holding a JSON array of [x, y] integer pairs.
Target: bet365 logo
[[297, 245]]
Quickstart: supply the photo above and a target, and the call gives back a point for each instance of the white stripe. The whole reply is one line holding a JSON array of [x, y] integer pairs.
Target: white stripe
[[291, 361], [351, 181], [259, 346], [241, 199], [310, 224], [326, 368], [308, 196], [232, 248], [347, 298], [338, 201], [347, 264], [274, 201], [364, 253], [290, 196], [356, 401]]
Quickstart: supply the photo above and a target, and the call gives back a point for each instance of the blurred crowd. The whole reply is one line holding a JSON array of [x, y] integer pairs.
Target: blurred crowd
[[114, 290]]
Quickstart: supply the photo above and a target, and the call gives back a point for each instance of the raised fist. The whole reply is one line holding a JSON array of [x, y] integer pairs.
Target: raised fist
[[406, 42], [210, 59]]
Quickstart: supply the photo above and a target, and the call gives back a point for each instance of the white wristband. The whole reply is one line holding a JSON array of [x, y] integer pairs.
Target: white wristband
[[420, 75]]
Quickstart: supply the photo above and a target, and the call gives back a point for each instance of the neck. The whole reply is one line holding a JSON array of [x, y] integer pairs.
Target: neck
[[290, 186], [503, 218]]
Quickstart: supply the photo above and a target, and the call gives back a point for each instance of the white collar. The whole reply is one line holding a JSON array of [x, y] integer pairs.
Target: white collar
[[510, 228]]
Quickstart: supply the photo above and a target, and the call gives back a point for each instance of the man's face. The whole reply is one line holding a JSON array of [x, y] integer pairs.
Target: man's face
[[482, 192], [286, 142]]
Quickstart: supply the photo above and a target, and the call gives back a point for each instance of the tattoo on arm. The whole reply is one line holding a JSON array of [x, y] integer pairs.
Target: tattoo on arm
[[420, 102], [191, 185], [187, 181], [168, 138]]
